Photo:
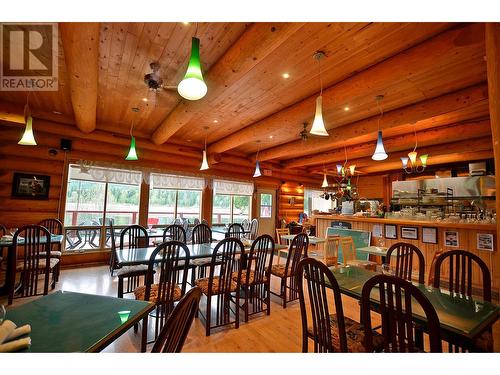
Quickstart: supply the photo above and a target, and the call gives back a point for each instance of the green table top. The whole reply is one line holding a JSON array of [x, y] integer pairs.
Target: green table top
[[54, 238], [458, 315], [312, 240], [67, 322], [141, 255]]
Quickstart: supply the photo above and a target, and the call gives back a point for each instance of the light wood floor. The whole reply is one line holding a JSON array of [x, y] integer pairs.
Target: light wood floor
[[279, 332]]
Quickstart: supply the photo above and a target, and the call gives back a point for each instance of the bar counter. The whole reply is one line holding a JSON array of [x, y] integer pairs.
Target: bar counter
[[467, 234]]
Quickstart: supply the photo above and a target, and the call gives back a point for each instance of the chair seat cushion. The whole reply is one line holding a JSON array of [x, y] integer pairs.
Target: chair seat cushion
[[279, 270], [140, 293], [41, 264], [53, 254], [355, 335], [251, 277], [204, 282], [126, 270]]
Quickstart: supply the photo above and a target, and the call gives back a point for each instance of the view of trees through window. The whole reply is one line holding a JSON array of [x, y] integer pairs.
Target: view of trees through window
[[165, 205], [230, 208]]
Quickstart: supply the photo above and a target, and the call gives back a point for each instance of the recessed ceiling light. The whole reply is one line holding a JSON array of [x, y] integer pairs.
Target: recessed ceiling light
[[216, 121], [286, 75], [186, 23], [144, 99], [270, 137], [346, 109], [57, 112]]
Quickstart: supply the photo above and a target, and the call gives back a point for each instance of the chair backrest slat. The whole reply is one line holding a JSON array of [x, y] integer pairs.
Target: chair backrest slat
[[236, 231], [460, 272], [54, 226], [202, 234], [224, 261], [396, 298], [174, 232], [254, 229], [260, 259], [134, 236], [296, 251], [405, 253], [281, 232]]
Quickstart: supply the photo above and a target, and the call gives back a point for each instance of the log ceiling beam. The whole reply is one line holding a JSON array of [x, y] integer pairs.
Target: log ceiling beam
[[259, 41], [81, 53], [401, 68], [429, 137], [438, 154], [427, 113]]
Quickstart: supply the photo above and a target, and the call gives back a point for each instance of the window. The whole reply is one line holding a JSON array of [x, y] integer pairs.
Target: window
[[95, 196], [172, 197], [232, 201], [266, 205], [313, 201]]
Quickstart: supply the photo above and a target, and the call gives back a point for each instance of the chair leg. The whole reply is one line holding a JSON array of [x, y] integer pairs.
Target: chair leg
[[237, 323], [144, 338], [208, 316], [120, 287], [268, 298], [283, 291], [247, 294], [305, 343]]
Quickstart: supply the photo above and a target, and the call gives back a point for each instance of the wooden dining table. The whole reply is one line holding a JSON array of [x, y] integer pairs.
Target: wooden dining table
[[7, 242], [461, 318], [68, 322]]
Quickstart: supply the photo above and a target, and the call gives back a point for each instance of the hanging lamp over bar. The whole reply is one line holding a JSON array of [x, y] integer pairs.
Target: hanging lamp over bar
[[379, 153], [204, 163], [132, 152], [325, 181], [318, 126], [28, 138], [192, 86]]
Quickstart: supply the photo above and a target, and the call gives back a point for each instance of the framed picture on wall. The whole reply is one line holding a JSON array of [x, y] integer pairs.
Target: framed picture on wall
[[429, 235], [485, 241], [30, 186], [409, 233], [377, 231], [391, 231], [451, 238]]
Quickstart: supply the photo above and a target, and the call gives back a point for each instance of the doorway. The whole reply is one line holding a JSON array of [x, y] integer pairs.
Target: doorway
[[266, 211]]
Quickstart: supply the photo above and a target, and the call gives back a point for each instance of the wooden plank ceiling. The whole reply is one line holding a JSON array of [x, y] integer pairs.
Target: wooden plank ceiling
[[432, 76]]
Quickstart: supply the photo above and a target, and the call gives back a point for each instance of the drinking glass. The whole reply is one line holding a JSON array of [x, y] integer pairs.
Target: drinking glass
[[386, 269], [308, 232]]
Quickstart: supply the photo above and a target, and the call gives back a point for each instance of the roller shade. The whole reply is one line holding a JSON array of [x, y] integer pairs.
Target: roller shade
[[225, 187], [169, 181], [101, 174]]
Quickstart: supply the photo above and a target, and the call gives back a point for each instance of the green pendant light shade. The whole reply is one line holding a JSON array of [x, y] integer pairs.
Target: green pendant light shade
[[192, 86], [132, 153], [28, 138]]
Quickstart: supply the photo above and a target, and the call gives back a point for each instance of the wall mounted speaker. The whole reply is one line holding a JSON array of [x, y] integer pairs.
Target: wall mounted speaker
[[66, 144]]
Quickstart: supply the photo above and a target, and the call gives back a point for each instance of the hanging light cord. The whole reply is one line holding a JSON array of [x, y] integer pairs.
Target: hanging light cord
[[416, 139], [196, 30], [320, 78], [132, 126], [27, 106], [345, 152], [381, 113], [258, 149]]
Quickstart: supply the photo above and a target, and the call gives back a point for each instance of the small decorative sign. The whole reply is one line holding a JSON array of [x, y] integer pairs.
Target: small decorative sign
[[341, 224], [451, 238], [30, 186], [429, 235], [391, 231], [485, 241], [409, 233]]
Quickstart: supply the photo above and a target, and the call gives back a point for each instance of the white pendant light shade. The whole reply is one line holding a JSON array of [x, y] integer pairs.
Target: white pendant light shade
[[318, 126], [204, 163], [325, 181], [339, 168], [192, 86], [352, 169], [413, 157], [257, 170], [404, 161], [28, 138], [379, 153]]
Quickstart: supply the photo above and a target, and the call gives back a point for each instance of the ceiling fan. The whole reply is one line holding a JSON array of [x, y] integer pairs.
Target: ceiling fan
[[154, 81]]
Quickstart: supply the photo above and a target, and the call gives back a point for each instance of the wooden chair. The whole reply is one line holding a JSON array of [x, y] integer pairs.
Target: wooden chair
[[174, 232], [254, 229], [246, 225], [282, 232], [221, 285], [255, 279], [54, 226], [331, 253], [173, 335], [329, 332], [3, 232], [430, 278], [286, 272], [132, 237], [349, 254], [236, 231], [168, 264], [396, 297], [202, 234], [35, 241], [405, 254], [460, 267], [196, 221]]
